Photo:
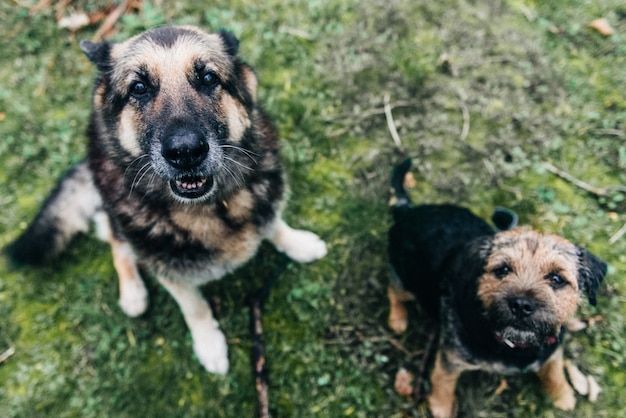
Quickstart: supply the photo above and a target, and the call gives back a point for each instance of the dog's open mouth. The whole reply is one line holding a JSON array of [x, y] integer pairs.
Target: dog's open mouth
[[522, 342], [192, 187]]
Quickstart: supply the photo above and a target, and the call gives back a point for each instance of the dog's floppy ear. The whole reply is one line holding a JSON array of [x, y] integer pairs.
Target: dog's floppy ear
[[231, 43], [98, 53], [591, 272]]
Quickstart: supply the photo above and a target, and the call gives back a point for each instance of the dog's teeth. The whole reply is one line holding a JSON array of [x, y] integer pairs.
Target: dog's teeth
[[509, 342], [190, 185]]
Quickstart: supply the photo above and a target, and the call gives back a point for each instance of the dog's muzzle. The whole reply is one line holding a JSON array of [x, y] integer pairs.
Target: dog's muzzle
[[185, 150]]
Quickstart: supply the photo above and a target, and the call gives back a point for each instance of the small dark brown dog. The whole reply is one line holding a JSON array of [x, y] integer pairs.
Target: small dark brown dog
[[502, 298]]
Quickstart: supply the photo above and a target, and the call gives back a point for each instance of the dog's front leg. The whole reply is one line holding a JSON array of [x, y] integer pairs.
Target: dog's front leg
[[442, 400], [553, 380], [299, 245], [209, 342], [133, 292], [397, 311]]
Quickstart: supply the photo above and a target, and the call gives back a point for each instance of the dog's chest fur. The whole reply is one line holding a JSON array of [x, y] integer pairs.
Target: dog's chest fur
[[177, 240]]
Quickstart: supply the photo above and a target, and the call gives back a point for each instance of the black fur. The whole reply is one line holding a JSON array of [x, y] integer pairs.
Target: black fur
[[591, 273], [438, 253]]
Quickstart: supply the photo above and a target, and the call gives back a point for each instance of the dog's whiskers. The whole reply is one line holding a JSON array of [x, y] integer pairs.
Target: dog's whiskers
[[244, 151], [245, 167], [133, 162], [141, 174], [238, 179]]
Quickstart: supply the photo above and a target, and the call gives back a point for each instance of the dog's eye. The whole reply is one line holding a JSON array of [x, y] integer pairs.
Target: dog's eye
[[502, 271], [556, 281], [209, 79], [138, 88]]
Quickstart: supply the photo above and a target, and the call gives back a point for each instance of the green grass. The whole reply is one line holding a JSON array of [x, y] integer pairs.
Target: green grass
[[528, 80]]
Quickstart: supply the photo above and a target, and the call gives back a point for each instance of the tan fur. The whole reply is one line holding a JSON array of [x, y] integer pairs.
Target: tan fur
[[133, 293], [532, 256], [164, 61], [128, 133], [236, 247], [397, 311], [442, 400], [237, 117], [555, 384]]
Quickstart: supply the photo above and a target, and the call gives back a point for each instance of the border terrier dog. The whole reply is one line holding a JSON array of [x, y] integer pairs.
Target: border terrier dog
[[501, 298], [182, 178]]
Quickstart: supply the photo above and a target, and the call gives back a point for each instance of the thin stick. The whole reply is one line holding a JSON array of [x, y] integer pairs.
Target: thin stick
[[8, 353], [390, 122], [568, 177], [617, 235], [418, 392], [258, 358], [110, 21], [256, 327], [466, 122]]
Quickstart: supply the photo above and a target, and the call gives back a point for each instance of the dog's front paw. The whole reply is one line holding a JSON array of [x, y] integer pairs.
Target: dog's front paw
[[133, 298], [441, 408], [566, 402], [212, 350], [304, 246]]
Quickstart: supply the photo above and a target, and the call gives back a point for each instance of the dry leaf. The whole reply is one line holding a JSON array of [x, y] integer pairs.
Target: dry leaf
[[602, 25], [592, 321], [579, 379], [74, 21], [403, 383], [502, 387], [594, 389]]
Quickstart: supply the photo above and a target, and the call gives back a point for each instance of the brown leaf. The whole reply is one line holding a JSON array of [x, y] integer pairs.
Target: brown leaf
[[602, 26], [74, 21], [502, 387], [403, 382]]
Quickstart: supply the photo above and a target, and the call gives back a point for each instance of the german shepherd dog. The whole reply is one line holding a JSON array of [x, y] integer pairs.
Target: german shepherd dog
[[182, 178]]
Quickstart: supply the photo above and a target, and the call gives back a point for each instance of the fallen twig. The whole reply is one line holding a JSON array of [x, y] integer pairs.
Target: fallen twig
[[466, 122], [390, 123], [7, 353], [258, 349], [579, 183], [616, 236], [258, 359], [107, 26], [419, 393], [598, 191]]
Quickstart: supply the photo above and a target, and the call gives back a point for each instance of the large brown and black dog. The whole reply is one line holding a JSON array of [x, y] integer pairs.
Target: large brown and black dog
[[502, 299], [183, 175]]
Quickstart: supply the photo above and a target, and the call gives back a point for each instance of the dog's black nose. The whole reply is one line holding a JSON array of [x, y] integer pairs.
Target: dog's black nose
[[184, 148], [522, 307]]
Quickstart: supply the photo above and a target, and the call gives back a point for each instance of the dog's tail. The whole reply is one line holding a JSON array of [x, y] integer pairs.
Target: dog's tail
[[400, 196], [65, 213]]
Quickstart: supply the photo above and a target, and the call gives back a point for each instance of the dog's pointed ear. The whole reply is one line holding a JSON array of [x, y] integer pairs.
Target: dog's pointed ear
[[591, 272], [98, 53], [231, 43]]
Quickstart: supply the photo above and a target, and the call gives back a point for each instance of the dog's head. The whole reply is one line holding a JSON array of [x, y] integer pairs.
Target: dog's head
[[532, 283], [175, 105]]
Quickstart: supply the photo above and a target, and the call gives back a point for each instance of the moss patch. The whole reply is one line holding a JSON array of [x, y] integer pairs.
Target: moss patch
[[481, 93]]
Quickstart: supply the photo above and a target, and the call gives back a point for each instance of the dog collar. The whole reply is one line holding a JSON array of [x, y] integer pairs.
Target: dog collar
[[512, 344]]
